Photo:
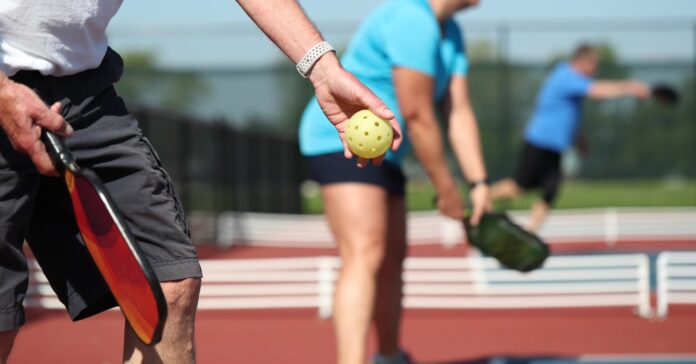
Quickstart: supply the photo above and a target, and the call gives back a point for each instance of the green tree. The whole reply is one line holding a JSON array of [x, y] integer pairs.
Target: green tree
[[145, 84]]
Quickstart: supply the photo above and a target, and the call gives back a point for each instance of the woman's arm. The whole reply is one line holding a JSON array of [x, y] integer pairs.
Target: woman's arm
[[414, 91], [466, 143]]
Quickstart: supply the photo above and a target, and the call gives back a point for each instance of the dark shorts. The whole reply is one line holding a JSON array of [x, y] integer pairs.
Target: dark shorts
[[539, 168], [335, 168], [107, 139]]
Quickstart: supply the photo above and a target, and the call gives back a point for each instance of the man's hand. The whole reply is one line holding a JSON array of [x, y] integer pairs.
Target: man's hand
[[341, 95], [639, 89], [22, 116], [480, 197]]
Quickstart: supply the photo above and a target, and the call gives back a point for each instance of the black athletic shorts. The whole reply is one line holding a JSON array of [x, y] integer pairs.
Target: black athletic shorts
[[108, 140], [539, 168], [335, 168]]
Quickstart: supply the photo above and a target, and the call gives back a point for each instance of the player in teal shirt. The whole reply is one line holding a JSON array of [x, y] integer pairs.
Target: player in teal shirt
[[411, 54], [401, 33], [554, 127]]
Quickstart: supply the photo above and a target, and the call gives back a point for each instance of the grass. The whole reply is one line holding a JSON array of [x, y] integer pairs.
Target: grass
[[574, 194]]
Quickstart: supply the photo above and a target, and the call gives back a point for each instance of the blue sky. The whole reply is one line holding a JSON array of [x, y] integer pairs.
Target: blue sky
[[216, 33]]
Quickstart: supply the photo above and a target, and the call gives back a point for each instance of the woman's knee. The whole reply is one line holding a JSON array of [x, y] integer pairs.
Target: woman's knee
[[367, 252]]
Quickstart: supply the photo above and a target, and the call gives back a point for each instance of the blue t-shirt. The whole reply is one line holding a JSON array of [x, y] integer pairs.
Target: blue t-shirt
[[556, 118], [400, 33]]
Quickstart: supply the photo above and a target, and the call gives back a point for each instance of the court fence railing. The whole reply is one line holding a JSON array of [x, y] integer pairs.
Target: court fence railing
[[605, 225], [621, 280], [676, 280]]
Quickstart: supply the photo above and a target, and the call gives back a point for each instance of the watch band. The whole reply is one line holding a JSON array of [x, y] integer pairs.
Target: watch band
[[304, 66], [474, 184]]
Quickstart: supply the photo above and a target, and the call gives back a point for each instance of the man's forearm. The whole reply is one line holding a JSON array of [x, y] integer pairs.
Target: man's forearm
[[285, 23], [466, 143], [609, 89]]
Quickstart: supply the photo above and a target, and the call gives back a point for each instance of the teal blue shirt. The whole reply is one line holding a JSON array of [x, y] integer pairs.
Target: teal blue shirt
[[400, 33]]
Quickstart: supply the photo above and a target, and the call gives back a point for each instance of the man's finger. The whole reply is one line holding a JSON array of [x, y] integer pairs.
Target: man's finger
[[346, 151], [378, 161], [380, 109], [369, 99], [362, 162], [41, 160], [396, 142], [52, 120]]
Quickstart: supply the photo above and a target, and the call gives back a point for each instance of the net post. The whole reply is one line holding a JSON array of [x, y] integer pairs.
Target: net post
[[611, 226], [644, 309], [451, 232], [325, 275], [662, 285]]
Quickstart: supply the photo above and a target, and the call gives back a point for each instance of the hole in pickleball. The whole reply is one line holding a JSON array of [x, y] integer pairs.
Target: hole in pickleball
[[366, 133], [376, 123], [360, 144], [379, 137], [365, 117], [350, 138], [356, 127]]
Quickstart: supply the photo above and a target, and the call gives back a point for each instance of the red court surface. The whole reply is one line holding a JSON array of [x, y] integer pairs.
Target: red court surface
[[432, 336], [297, 336]]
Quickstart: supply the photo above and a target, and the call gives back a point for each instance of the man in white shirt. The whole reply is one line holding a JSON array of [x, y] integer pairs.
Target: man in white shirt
[[57, 73]]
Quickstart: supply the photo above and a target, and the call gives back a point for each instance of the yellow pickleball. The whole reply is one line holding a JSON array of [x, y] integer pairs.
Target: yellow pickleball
[[368, 135]]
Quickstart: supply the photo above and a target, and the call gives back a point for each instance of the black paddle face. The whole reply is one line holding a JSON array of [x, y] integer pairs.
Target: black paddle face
[[665, 94], [514, 247]]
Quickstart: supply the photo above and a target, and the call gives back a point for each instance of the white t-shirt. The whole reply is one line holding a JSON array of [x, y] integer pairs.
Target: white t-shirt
[[54, 37]]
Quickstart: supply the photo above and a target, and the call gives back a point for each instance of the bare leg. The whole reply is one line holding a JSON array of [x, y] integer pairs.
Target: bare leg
[[389, 281], [539, 211], [177, 345], [357, 214], [505, 189], [7, 339]]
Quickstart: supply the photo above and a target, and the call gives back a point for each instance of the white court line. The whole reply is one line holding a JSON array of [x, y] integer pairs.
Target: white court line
[[633, 358], [603, 358]]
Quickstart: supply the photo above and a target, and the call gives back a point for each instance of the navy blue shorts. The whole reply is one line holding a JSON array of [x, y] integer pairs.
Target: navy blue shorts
[[335, 168]]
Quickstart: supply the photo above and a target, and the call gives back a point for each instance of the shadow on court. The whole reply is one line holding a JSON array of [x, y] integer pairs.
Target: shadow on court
[[511, 360], [544, 359]]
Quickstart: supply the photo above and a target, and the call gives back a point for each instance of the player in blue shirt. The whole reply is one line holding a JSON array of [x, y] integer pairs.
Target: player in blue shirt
[[411, 54], [553, 128]]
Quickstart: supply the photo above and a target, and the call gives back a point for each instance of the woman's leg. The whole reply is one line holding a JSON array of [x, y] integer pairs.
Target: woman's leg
[[358, 216], [389, 281]]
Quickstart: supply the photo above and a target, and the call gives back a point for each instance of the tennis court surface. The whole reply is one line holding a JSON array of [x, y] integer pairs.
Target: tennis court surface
[[437, 336], [603, 334], [433, 336]]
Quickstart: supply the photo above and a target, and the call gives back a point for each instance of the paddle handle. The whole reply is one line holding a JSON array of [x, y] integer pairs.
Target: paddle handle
[[61, 156]]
